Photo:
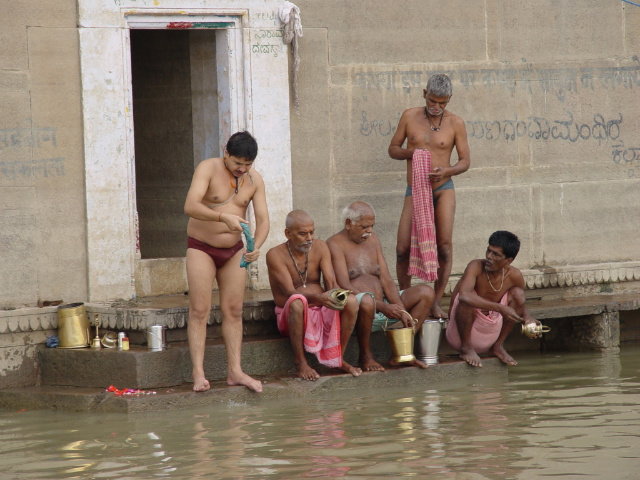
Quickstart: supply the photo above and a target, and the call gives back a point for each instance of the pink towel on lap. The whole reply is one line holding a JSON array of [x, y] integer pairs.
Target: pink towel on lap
[[321, 330], [423, 257], [485, 330]]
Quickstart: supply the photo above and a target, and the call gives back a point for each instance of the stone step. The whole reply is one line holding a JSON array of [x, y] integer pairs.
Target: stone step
[[141, 368], [98, 400]]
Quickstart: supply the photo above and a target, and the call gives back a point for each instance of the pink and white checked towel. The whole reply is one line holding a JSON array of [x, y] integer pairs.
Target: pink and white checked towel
[[423, 259]]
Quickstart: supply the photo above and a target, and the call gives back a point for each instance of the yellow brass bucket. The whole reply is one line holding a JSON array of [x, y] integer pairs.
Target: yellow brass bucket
[[401, 341], [73, 326]]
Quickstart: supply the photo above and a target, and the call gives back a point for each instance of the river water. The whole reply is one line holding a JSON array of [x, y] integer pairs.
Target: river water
[[568, 416]]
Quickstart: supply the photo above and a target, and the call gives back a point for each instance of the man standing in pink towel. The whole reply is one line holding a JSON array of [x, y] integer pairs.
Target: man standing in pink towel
[[305, 309], [487, 302], [437, 130]]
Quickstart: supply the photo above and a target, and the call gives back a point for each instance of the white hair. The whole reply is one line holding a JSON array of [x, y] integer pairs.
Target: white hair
[[356, 210]]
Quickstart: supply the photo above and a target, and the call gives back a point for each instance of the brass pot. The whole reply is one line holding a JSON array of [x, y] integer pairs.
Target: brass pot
[[534, 329], [73, 326], [401, 341], [340, 296]]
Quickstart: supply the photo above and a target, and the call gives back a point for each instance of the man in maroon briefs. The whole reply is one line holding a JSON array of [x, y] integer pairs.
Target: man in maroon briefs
[[220, 192]]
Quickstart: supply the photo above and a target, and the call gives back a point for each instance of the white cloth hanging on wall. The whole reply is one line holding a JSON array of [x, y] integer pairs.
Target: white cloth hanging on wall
[[289, 15]]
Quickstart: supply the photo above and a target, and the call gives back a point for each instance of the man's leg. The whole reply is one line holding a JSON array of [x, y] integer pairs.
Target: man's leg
[[418, 301], [366, 311], [231, 282], [516, 301], [296, 335], [201, 272], [347, 321], [464, 318], [403, 245], [444, 211]]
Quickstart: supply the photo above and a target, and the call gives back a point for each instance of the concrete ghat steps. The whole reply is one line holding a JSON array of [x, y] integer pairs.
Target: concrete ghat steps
[[141, 368], [264, 352], [97, 400]]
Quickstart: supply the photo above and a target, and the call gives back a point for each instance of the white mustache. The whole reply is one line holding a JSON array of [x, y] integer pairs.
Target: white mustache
[[366, 235]]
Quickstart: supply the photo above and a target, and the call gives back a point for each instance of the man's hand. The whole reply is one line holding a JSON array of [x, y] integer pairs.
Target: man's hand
[[397, 312], [327, 301], [233, 223], [251, 256], [509, 313], [437, 175]]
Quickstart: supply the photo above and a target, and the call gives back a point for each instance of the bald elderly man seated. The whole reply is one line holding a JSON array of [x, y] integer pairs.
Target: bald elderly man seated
[[306, 311]]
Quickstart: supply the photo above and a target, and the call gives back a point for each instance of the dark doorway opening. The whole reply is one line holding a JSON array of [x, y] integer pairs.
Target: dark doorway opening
[[175, 127]]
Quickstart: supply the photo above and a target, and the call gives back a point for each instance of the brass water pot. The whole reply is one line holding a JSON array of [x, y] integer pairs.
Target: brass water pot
[[533, 330], [73, 326]]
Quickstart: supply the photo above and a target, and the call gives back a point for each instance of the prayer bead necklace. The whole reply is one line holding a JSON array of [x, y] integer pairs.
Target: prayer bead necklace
[[302, 275], [433, 127], [501, 284]]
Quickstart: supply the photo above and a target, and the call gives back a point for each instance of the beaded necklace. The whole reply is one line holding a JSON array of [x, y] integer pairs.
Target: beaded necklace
[[302, 275]]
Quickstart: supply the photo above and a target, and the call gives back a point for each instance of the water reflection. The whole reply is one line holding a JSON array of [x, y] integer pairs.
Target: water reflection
[[569, 416]]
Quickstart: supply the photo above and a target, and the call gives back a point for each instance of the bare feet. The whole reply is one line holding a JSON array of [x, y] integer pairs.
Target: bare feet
[[368, 364], [201, 384], [470, 356], [244, 379], [437, 312], [413, 363], [501, 353], [419, 364], [307, 373], [355, 371]]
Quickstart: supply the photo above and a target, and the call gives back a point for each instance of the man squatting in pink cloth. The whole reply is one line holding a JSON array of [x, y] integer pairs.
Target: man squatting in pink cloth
[[436, 129], [217, 202], [305, 310], [487, 302]]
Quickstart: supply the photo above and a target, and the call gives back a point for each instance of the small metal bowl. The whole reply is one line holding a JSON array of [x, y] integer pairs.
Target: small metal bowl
[[109, 340]]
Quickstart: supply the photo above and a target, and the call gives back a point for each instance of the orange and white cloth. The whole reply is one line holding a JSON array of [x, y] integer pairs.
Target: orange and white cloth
[[321, 330], [423, 256]]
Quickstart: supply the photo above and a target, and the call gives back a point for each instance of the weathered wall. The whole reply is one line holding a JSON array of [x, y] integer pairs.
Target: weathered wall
[[550, 94], [42, 208]]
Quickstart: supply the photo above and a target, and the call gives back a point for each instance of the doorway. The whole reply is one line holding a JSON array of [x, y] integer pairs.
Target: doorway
[[175, 122]]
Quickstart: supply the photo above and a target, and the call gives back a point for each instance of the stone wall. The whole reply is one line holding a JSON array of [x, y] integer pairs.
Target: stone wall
[[549, 93], [42, 208]]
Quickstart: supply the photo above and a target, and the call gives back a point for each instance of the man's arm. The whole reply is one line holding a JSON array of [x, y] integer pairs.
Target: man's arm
[[462, 149], [395, 147], [282, 284], [467, 294], [261, 213], [193, 205], [395, 308], [326, 267]]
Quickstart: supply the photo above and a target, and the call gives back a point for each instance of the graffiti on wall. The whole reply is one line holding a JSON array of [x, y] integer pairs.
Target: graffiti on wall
[[559, 81], [271, 49], [573, 128], [13, 140]]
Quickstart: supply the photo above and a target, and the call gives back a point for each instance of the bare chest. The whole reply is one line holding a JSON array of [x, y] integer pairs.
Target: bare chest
[[221, 192]]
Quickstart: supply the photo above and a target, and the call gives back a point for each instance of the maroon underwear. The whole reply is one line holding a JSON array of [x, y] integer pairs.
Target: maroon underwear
[[220, 256]]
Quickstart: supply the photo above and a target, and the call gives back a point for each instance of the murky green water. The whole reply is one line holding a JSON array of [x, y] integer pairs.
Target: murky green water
[[569, 416]]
